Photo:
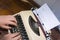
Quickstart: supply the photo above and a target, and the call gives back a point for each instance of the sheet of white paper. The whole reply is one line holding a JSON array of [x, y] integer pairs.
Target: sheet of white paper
[[46, 17]]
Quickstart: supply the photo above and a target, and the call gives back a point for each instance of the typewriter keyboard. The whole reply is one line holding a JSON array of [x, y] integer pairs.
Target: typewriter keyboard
[[20, 28]]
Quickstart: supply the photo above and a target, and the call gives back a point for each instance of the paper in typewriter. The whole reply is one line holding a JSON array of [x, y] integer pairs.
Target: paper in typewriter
[[46, 17]]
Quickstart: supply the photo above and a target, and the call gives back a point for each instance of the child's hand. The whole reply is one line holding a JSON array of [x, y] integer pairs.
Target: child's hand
[[5, 21]]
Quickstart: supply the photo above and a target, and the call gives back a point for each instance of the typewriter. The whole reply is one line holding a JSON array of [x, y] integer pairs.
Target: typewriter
[[28, 26], [35, 25]]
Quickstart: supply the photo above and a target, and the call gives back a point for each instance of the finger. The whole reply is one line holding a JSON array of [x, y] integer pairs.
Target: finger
[[12, 35], [17, 38], [11, 23], [12, 18], [5, 27]]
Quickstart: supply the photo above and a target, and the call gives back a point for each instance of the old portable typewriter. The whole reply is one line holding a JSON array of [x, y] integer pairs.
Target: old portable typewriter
[[35, 25], [28, 26]]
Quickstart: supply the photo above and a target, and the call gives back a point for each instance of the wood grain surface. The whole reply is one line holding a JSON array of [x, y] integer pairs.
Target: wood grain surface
[[14, 6]]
